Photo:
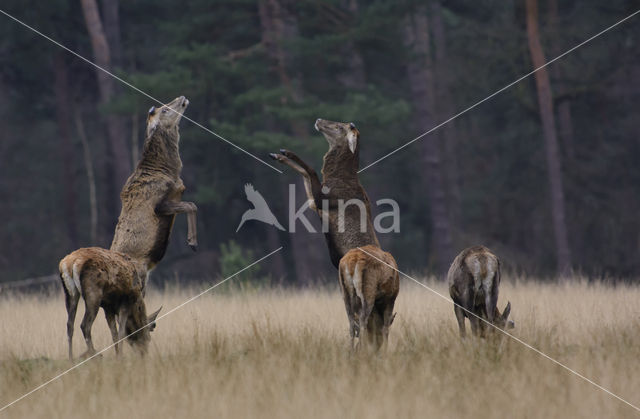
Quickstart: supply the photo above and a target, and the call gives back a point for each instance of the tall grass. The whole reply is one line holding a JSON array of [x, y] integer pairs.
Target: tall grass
[[283, 353]]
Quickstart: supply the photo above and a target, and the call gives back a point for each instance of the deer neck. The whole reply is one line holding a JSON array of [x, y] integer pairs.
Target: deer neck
[[340, 164], [161, 153]]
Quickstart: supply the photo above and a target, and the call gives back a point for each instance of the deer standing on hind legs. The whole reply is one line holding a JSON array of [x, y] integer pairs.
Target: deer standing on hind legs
[[371, 293], [474, 282], [116, 279], [151, 197]]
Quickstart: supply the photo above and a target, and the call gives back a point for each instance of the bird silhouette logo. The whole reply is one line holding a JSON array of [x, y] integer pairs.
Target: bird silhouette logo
[[260, 211]]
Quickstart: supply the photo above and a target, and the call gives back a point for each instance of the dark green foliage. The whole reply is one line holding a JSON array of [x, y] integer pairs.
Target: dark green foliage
[[211, 52]]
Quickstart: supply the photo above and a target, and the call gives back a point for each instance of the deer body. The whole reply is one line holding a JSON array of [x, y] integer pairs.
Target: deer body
[[152, 195], [340, 183], [474, 282], [113, 281], [369, 288]]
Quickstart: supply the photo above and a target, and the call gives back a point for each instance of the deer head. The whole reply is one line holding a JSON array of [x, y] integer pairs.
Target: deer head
[[137, 321], [167, 116], [501, 320]]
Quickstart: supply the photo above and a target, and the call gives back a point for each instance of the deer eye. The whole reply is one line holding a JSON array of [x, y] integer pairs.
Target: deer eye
[[164, 110], [152, 110]]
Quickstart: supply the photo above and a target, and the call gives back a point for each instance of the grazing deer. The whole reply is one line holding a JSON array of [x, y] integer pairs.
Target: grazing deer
[[349, 227], [151, 198], [369, 286], [113, 281], [474, 281]]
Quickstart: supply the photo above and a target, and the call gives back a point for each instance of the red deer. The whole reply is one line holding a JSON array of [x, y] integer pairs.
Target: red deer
[[151, 198], [340, 183], [474, 281], [113, 281], [369, 285], [349, 228]]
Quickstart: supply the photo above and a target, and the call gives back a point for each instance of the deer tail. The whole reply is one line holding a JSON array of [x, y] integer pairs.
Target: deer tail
[[357, 278], [70, 270]]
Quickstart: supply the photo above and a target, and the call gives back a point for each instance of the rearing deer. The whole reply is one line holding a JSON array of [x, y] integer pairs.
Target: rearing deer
[[347, 231], [151, 198], [474, 282], [339, 183]]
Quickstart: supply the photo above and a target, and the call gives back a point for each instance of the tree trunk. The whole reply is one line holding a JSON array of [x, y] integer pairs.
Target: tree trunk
[[91, 180], [120, 156], [110, 11], [446, 109], [67, 152], [420, 74], [545, 101], [354, 76], [279, 24], [565, 121]]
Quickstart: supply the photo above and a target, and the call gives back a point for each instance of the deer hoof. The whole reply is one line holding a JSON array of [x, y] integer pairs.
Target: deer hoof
[[194, 247]]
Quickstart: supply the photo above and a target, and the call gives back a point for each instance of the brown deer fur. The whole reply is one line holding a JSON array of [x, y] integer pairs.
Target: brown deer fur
[[113, 281], [474, 282], [151, 198], [369, 286], [339, 182]]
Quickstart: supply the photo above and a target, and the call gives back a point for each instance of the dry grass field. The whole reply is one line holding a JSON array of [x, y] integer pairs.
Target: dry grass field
[[281, 353]]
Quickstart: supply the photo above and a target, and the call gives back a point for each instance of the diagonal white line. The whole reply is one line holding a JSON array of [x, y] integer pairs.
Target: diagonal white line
[[500, 91], [117, 342], [539, 352], [136, 89]]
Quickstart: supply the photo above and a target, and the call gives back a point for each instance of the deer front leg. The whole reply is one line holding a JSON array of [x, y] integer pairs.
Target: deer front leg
[[387, 319], [123, 316], [173, 208], [460, 317], [312, 184], [475, 323], [111, 321]]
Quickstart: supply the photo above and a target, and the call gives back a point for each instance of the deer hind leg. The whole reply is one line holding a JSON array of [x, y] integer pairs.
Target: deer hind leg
[[460, 317], [71, 302], [364, 315], [90, 313], [348, 295]]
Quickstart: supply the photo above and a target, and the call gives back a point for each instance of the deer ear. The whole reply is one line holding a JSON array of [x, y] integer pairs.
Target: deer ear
[[152, 124], [152, 319], [506, 311], [352, 138]]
